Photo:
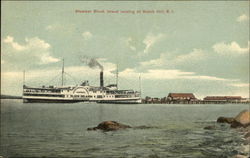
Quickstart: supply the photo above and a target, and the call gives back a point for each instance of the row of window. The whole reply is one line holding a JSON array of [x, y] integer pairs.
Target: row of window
[[124, 96], [100, 96], [44, 91], [77, 96], [44, 95]]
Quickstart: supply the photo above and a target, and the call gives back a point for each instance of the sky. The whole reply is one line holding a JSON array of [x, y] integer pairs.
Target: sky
[[198, 47]]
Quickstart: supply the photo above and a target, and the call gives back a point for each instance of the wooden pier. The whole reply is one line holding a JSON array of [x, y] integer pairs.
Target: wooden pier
[[189, 98]]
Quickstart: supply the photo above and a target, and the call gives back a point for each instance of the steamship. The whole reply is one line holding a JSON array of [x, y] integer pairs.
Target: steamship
[[81, 93]]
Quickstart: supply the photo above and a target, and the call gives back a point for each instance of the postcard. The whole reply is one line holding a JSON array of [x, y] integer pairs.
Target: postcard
[[125, 79]]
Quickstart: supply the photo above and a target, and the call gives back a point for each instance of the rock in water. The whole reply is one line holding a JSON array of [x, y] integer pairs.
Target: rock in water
[[210, 127], [247, 135], [225, 120], [240, 156], [242, 119], [110, 126]]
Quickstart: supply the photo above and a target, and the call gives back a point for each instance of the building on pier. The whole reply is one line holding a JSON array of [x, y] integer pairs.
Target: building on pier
[[223, 99], [181, 97]]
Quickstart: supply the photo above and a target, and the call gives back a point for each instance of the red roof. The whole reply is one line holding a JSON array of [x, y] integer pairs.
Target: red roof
[[222, 97], [233, 97], [184, 95]]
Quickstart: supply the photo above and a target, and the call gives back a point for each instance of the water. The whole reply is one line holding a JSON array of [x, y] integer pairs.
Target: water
[[59, 130]]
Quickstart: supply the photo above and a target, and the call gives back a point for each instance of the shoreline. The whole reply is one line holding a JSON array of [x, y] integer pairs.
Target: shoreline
[[143, 102]]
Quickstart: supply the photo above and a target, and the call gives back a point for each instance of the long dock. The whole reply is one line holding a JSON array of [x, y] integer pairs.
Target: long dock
[[193, 102]]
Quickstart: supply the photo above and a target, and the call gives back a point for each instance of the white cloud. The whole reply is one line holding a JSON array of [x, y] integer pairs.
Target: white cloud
[[31, 43], [165, 59], [243, 18], [61, 28], [50, 27], [196, 54], [240, 85], [8, 39], [15, 45], [46, 58], [207, 78], [36, 43], [34, 47], [161, 74], [55, 26], [150, 40], [156, 62], [87, 35], [129, 42], [233, 47]]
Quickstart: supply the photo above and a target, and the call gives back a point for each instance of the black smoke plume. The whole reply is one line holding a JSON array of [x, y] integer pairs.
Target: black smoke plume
[[92, 62]]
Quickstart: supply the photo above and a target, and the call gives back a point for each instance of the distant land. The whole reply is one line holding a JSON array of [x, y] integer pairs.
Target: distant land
[[10, 97]]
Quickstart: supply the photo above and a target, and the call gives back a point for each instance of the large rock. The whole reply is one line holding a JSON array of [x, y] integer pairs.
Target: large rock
[[240, 156], [110, 126], [225, 120], [242, 119]]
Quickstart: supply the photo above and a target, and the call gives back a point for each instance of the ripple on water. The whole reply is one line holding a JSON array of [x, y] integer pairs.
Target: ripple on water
[[43, 131]]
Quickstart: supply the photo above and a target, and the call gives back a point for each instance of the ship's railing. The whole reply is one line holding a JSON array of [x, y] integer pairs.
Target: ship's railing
[[41, 91], [121, 92], [44, 95], [127, 95]]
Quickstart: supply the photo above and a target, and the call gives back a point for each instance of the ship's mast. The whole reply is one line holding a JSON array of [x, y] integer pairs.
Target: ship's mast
[[140, 83], [117, 76], [63, 72], [23, 77]]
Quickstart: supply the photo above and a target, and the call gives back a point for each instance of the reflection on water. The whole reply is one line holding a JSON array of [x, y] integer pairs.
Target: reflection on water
[[56, 130], [100, 112]]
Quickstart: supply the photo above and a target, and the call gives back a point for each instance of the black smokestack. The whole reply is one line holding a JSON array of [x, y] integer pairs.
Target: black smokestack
[[101, 79]]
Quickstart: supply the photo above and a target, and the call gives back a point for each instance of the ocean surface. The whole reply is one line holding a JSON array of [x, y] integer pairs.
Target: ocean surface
[[59, 130]]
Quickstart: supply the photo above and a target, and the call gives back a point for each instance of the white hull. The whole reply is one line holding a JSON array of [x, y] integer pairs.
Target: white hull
[[42, 99]]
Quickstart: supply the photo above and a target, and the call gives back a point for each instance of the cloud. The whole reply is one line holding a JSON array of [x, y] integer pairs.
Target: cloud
[[196, 54], [163, 74], [240, 89], [87, 35], [36, 43], [46, 58], [207, 78], [156, 62], [243, 18], [129, 43], [56, 26], [232, 47], [15, 45], [50, 27], [31, 43], [61, 28], [240, 85], [34, 47], [150, 40], [166, 59]]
